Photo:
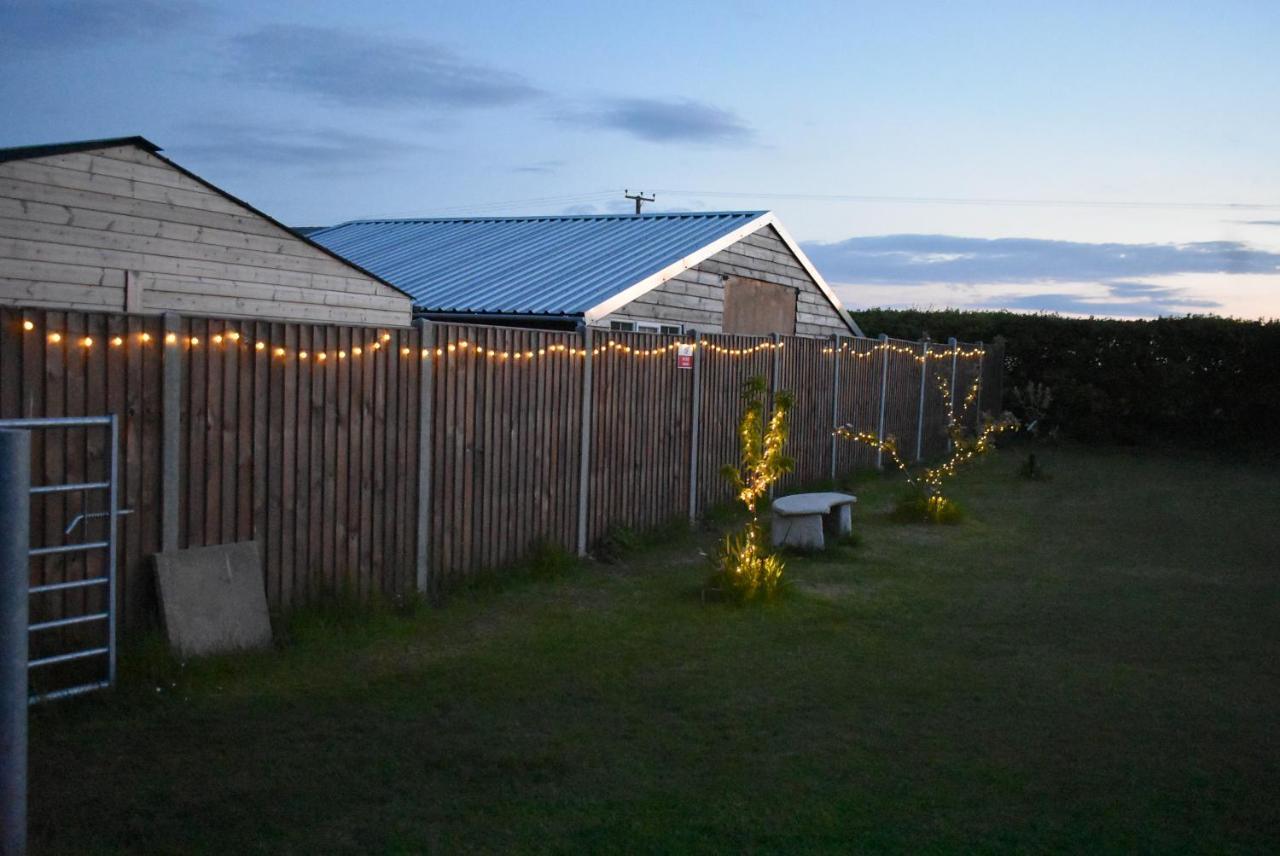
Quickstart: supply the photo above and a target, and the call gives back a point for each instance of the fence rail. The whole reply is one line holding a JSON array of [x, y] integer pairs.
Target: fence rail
[[310, 438]]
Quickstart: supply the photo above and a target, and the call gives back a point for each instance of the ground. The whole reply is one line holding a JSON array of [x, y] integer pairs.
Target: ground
[[1087, 664]]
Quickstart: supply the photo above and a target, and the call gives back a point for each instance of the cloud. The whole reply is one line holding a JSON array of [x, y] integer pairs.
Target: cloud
[[1259, 222], [660, 121], [361, 70], [1121, 299], [920, 259], [237, 145], [44, 25], [544, 167]]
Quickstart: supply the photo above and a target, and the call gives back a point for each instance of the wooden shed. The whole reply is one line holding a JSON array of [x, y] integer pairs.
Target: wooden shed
[[113, 225], [714, 272]]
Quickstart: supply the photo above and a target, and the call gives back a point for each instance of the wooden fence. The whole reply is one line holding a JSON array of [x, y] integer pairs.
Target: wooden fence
[[382, 461]]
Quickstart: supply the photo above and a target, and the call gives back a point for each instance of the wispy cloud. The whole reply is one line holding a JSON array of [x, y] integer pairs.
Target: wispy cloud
[[251, 146], [921, 259], [664, 121], [1260, 222], [45, 25], [545, 167], [357, 69]]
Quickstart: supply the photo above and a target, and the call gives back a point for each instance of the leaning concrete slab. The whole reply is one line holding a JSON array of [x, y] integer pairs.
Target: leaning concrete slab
[[213, 599]]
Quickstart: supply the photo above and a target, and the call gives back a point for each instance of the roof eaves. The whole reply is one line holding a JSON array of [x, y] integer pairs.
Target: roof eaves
[[43, 151]]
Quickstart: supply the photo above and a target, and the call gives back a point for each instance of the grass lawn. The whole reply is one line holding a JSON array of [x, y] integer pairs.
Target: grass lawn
[[1090, 663]]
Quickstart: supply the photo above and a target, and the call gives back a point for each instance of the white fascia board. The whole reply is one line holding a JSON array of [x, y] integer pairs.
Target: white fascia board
[[649, 283]]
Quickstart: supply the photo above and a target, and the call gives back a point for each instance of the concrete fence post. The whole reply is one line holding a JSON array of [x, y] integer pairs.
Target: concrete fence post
[[426, 432], [835, 399], [15, 511], [695, 425], [584, 452], [170, 433], [884, 391], [924, 377], [951, 396], [977, 402], [775, 380]]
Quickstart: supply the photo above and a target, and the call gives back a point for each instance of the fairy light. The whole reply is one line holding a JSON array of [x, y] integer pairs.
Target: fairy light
[[28, 326], [171, 338], [302, 355], [233, 335], [55, 338], [405, 351], [144, 338], [322, 356], [259, 346], [376, 345], [117, 341], [279, 352], [195, 341], [86, 342], [355, 352], [342, 355], [217, 338], [386, 337]]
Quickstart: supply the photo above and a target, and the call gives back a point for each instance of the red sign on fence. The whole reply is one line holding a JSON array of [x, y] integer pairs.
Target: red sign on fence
[[684, 356]]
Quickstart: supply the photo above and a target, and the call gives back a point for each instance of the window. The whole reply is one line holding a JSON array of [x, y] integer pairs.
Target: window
[[647, 327], [755, 308]]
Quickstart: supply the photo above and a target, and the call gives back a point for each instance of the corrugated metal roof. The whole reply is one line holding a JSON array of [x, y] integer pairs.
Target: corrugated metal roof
[[534, 265]]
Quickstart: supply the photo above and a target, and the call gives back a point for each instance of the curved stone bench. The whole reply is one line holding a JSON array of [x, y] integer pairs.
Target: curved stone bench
[[798, 519]]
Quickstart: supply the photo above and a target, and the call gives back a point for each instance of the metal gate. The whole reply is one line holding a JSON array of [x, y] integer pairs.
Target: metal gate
[[89, 487]]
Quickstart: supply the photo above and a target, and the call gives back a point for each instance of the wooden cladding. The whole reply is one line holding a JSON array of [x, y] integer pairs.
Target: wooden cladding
[[306, 437]]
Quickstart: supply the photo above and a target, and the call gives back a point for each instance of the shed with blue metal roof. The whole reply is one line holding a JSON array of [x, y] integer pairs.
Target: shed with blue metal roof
[[725, 271]]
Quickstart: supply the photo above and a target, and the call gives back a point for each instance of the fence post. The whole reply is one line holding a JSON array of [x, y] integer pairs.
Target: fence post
[[15, 503], [924, 376], [835, 400], [695, 427], [884, 389], [170, 434], [426, 427], [584, 452], [774, 380], [951, 397], [977, 401]]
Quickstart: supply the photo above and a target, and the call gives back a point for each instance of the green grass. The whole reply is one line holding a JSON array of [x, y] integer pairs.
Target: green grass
[[1085, 664]]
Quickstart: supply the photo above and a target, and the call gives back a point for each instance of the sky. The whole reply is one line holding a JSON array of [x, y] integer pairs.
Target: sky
[[1114, 158]]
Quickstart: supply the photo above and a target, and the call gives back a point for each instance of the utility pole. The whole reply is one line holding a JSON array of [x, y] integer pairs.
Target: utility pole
[[639, 197]]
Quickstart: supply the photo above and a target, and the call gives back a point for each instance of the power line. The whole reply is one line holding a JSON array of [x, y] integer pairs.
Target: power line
[[968, 200]]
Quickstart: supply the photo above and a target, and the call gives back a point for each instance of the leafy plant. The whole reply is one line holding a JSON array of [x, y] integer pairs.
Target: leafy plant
[[928, 501], [746, 569]]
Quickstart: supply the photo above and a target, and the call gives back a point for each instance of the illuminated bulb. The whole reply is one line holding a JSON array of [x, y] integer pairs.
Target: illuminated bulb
[[258, 346], [426, 352], [171, 338], [279, 352], [55, 338], [302, 355], [452, 348], [233, 336], [439, 352], [28, 326], [117, 341], [217, 338], [377, 345], [322, 356], [515, 356], [145, 337], [386, 337], [404, 351], [462, 345], [356, 351], [195, 340], [342, 355], [86, 342], [542, 351]]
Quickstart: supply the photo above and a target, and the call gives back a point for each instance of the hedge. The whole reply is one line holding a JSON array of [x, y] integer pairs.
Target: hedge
[[1197, 379]]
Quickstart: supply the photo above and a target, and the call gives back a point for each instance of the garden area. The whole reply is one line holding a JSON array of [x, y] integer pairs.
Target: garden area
[[1086, 662]]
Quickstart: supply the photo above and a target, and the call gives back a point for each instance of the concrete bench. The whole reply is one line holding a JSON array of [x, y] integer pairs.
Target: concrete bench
[[798, 519]]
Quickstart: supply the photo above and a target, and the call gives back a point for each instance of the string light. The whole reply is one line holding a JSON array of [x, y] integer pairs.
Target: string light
[[86, 342], [117, 341], [28, 326], [171, 338], [55, 338], [279, 352], [144, 338], [217, 338], [302, 355], [258, 346], [342, 355], [233, 335], [355, 352], [322, 356], [195, 340]]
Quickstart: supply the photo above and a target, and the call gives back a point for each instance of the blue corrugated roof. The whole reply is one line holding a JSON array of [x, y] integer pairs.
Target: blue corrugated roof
[[535, 265]]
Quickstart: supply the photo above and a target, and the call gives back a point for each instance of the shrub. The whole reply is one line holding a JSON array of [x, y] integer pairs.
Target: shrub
[[746, 569]]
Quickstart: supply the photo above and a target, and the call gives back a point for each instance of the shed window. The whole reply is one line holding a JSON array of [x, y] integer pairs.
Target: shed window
[[646, 327]]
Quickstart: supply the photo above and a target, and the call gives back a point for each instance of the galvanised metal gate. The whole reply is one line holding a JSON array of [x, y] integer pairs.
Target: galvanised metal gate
[[106, 615]]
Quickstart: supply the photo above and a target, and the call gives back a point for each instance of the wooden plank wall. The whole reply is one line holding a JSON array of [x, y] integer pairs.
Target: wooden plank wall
[[507, 440], [309, 444], [641, 427], [725, 363]]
